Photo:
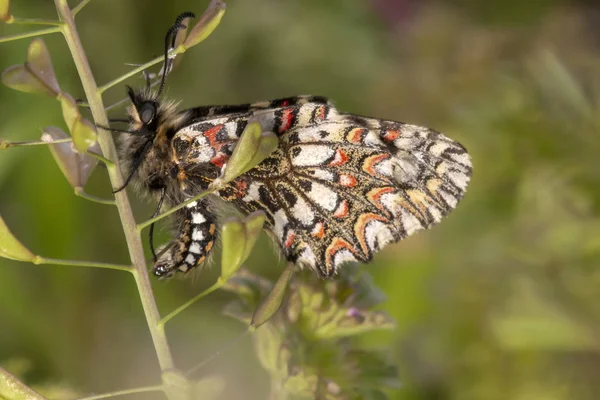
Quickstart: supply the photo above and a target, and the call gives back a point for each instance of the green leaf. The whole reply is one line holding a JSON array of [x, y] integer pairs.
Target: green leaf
[[36, 75], [83, 131], [10, 247], [252, 148], [208, 388], [272, 302], [5, 10], [239, 237], [76, 167], [84, 135], [207, 23], [233, 237]]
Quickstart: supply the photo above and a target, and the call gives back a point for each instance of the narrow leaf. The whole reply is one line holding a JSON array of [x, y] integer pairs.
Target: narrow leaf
[[207, 23], [253, 225], [233, 236], [272, 302], [39, 64], [10, 247], [18, 77], [252, 148]]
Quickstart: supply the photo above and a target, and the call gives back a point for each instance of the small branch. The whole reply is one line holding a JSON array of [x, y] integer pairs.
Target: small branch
[[139, 69], [12, 388], [102, 159], [220, 282], [33, 21], [75, 263], [81, 193], [170, 211], [26, 35], [79, 7], [146, 389], [5, 144]]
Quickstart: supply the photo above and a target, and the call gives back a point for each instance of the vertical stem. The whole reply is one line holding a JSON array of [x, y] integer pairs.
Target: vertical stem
[[132, 236]]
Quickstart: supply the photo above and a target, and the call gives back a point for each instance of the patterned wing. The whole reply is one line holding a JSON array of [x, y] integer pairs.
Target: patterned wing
[[339, 187]]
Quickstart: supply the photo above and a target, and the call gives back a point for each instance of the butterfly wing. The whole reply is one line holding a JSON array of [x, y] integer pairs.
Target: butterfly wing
[[339, 187]]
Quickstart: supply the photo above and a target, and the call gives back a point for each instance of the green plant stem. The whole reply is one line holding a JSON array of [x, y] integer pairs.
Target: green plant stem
[[134, 241], [170, 211], [102, 159], [26, 35], [220, 282], [145, 389], [14, 389], [5, 144], [74, 263], [81, 193], [79, 7], [33, 21]]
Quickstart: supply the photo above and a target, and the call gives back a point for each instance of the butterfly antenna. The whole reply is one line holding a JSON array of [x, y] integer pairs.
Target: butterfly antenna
[[170, 38]]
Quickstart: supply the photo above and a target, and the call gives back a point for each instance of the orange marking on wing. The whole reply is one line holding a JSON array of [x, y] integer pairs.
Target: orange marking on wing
[[374, 196], [360, 229], [201, 259], [340, 158], [320, 114], [336, 245], [370, 162], [348, 180], [290, 239], [356, 135], [286, 120], [212, 229], [390, 136], [319, 230], [209, 246], [342, 210]]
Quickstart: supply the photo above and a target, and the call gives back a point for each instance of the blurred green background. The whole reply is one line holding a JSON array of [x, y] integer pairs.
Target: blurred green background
[[500, 301]]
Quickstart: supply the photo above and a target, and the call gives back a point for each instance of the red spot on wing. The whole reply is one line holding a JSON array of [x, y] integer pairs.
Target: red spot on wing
[[320, 113], [340, 158], [219, 160], [348, 180], [211, 135], [390, 136], [290, 239], [287, 118], [342, 210]]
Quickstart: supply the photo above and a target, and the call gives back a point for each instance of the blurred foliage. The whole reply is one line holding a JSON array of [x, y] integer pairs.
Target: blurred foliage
[[499, 301]]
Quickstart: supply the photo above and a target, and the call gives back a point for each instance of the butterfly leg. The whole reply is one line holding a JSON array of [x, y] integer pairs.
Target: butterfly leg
[[197, 233]]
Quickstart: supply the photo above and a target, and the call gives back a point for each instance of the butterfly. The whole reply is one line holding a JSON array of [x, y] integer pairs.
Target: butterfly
[[338, 188]]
